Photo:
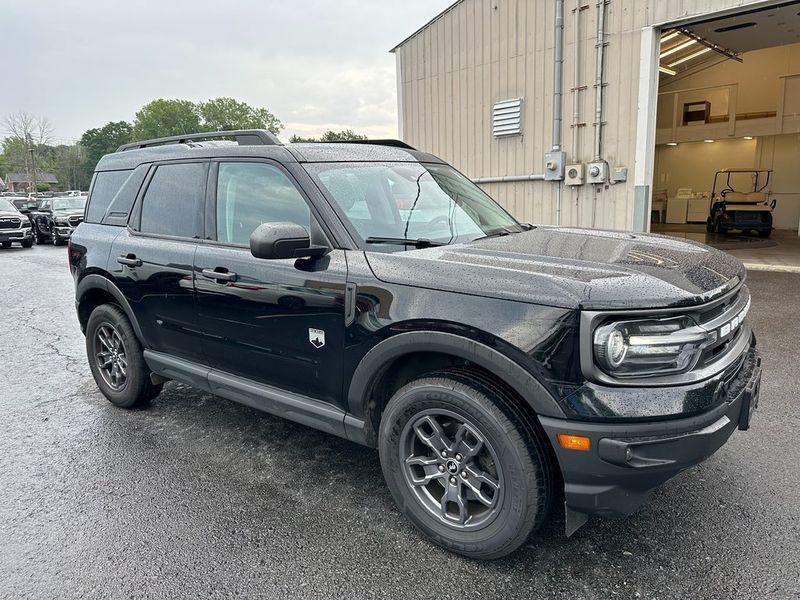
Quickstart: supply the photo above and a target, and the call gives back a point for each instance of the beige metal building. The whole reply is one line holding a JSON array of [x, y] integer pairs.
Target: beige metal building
[[551, 104]]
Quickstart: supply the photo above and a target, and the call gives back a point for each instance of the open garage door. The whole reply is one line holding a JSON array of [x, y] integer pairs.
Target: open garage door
[[727, 140]]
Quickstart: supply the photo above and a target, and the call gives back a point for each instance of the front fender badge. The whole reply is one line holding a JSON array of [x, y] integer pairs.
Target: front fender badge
[[316, 337]]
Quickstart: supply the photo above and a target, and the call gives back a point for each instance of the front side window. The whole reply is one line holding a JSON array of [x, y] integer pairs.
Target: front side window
[[174, 199], [251, 193], [412, 201]]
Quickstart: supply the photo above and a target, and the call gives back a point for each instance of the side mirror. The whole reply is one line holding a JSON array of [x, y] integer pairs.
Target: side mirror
[[283, 240]]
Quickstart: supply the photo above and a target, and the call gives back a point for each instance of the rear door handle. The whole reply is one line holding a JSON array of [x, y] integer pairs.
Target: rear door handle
[[129, 260], [218, 274]]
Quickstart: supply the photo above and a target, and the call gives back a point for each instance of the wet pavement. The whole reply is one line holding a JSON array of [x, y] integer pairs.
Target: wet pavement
[[197, 497]]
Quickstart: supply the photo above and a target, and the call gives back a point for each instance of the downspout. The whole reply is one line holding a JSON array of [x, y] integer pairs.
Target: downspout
[[558, 91]]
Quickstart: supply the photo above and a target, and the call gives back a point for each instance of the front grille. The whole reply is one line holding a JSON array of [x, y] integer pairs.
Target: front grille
[[10, 223], [718, 318], [75, 220]]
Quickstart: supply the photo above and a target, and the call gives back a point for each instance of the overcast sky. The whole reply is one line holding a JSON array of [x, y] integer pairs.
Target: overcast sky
[[316, 64]]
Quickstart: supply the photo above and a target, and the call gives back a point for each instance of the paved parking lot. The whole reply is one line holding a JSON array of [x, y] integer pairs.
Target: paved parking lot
[[198, 497]]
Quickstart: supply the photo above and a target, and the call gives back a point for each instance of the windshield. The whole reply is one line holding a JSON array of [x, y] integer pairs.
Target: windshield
[[71, 203], [412, 201], [6, 205]]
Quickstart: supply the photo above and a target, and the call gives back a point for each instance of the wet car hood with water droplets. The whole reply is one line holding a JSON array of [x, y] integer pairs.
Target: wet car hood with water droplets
[[570, 268]]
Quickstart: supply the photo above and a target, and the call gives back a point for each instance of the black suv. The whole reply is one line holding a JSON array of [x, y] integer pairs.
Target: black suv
[[372, 291]]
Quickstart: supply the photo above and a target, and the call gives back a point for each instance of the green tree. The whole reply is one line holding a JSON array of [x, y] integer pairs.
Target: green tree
[[161, 118], [225, 114], [330, 136], [103, 140]]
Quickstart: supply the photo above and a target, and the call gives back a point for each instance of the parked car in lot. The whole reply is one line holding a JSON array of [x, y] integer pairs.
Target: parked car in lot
[[372, 291], [57, 217], [14, 226], [25, 205]]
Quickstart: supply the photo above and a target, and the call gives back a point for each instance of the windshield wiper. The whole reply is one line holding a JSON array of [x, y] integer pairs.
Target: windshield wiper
[[418, 243], [499, 233]]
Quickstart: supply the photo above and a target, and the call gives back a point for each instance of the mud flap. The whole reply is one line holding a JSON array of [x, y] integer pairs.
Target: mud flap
[[573, 520]]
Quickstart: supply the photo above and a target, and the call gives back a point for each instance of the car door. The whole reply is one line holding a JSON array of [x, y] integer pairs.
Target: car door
[[278, 322], [151, 260]]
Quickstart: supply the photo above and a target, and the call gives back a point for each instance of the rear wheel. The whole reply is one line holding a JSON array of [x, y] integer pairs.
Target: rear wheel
[[463, 465], [116, 358]]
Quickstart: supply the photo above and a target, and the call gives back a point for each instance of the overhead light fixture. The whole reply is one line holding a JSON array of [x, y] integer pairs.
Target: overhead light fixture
[[667, 70], [748, 137], [709, 141], [669, 36], [672, 143], [689, 57], [678, 48]]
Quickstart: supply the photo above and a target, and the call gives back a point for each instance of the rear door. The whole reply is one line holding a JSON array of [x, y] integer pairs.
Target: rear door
[[151, 260], [279, 322]]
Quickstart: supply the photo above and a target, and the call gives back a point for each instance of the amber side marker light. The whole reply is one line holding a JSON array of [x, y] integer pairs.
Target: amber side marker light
[[574, 442]]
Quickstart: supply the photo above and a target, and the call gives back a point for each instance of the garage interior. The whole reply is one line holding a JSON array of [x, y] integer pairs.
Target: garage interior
[[729, 99]]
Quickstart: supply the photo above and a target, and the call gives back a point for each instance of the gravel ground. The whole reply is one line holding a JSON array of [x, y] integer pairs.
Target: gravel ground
[[198, 497]]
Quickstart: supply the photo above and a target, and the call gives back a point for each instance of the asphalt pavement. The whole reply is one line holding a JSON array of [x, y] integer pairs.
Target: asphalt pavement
[[198, 497]]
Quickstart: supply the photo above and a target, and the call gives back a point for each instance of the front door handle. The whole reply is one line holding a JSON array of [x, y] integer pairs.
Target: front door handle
[[218, 274], [129, 260]]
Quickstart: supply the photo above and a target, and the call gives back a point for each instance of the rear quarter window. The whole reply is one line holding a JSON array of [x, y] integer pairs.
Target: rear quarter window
[[105, 186]]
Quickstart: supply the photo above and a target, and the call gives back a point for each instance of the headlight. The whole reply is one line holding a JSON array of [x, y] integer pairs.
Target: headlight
[[62, 222], [641, 348]]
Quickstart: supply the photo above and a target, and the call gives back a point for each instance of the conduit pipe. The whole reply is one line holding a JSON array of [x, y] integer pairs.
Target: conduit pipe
[[598, 80]]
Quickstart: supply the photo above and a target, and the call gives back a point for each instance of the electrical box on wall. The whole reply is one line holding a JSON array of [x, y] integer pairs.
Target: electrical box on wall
[[554, 165], [619, 174], [574, 174], [597, 172]]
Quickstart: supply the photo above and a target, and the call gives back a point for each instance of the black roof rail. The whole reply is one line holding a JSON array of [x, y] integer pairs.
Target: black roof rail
[[394, 143], [244, 137]]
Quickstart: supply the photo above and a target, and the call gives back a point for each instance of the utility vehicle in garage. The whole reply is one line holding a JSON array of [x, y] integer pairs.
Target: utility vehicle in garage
[[746, 208]]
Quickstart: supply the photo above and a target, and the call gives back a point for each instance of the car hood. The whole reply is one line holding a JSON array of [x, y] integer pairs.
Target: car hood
[[570, 268], [8, 213]]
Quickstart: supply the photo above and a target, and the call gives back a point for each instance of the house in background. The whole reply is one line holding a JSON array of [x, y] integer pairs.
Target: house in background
[[21, 182]]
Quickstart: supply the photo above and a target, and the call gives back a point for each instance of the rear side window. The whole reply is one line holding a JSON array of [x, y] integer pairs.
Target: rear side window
[[173, 202], [105, 186]]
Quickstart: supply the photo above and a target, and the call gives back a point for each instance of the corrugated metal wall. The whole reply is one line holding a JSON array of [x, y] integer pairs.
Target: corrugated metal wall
[[483, 51]]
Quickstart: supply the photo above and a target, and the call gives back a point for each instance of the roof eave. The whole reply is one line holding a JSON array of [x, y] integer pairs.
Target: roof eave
[[428, 24]]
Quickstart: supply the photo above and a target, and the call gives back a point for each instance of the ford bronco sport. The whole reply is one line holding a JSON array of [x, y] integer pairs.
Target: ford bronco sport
[[371, 291]]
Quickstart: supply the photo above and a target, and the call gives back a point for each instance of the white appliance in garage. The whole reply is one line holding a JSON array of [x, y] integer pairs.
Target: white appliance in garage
[[678, 206], [698, 209]]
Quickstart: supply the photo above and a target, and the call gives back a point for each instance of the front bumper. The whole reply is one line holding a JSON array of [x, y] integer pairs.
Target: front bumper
[[63, 231], [626, 461], [15, 235]]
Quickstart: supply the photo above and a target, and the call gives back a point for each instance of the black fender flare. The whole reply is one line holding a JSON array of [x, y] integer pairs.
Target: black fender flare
[[98, 282], [514, 375]]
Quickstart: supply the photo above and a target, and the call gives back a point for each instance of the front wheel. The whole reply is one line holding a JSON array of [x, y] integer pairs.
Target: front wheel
[[116, 358], [6, 244], [27, 243], [463, 465]]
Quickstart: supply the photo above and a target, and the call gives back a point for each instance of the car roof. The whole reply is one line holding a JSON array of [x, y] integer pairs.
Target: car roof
[[129, 157]]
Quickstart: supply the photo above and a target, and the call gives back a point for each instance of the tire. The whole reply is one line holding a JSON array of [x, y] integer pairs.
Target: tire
[[710, 227], [6, 244], [27, 243], [38, 237], [764, 233], [720, 229], [109, 322], [512, 469], [57, 241]]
